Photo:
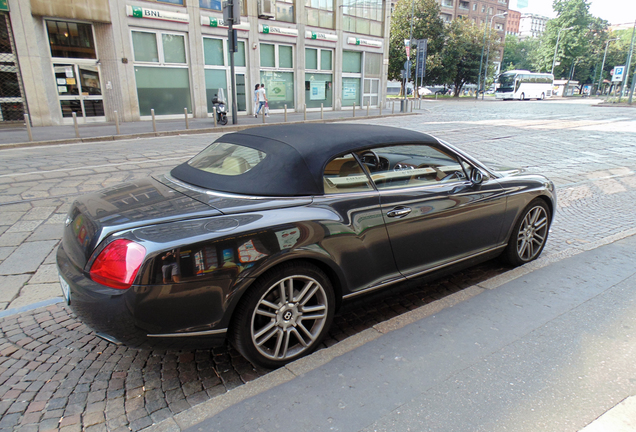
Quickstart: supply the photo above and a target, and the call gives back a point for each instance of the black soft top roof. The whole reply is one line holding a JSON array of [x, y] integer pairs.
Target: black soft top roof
[[296, 156]]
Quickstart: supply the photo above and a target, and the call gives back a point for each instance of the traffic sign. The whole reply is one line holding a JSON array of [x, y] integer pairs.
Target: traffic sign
[[619, 74]]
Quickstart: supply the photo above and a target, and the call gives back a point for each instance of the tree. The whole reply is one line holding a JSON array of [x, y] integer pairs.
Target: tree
[[462, 53], [579, 44], [427, 24], [518, 54]]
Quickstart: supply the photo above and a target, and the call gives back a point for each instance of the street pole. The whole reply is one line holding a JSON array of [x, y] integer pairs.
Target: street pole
[[232, 40], [600, 78], [408, 57], [627, 65], [481, 60], [556, 47], [488, 52]]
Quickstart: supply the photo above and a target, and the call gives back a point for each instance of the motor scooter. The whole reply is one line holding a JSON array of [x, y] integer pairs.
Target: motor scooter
[[220, 109]]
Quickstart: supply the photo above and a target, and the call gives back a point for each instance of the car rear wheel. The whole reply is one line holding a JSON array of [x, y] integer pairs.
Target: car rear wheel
[[284, 315], [529, 235]]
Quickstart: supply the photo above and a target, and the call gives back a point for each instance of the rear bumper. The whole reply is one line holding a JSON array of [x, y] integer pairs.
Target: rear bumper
[[128, 316]]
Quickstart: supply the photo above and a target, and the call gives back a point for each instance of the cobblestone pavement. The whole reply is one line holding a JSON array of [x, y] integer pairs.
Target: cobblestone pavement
[[56, 374]]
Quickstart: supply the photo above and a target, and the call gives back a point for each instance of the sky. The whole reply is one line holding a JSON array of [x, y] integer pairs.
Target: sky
[[615, 11]]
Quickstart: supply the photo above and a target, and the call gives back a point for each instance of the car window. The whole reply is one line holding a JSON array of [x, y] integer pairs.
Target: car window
[[411, 166], [227, 159], [344, 174]]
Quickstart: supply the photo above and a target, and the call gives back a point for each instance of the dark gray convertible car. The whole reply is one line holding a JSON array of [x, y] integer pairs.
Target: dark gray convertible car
[[262, 235]]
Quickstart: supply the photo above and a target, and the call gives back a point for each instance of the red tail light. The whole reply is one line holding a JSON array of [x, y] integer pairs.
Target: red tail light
[[118, 264]]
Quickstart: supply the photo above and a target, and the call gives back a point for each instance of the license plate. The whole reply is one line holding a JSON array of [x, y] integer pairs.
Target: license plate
[[66, 290]]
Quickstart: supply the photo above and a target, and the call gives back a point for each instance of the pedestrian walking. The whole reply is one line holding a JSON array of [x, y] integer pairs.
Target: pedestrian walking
[[262, 99], [256, 97]]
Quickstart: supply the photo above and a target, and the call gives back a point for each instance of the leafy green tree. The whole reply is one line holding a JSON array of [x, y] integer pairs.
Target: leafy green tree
[[518, 54], [462, 53], [582, 35], [616, 53], [427, 24]]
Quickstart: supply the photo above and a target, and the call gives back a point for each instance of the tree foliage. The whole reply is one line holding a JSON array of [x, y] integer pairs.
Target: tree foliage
[[427, 24], [519, 54], [462, 53]]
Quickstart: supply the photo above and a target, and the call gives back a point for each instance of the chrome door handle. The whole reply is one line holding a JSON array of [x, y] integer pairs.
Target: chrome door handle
[[398, 212]]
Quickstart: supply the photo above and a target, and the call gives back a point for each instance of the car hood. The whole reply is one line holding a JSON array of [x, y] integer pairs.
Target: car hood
[[504, 170]]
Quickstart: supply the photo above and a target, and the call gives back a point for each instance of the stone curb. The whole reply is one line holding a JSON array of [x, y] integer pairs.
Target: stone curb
[[9, 312], [218, 129], [213, 406]]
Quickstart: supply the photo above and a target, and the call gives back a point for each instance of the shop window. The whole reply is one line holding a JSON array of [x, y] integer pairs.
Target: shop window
[[285, 57], [325, 59], [239, 55], [311, 58], [213, 52], [350, 91], [268, 55], [372, 65], [279, 87], [159, 47], [71, 40], [351, 62], [161, 72]]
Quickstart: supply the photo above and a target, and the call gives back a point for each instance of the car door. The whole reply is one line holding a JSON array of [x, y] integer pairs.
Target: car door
[[434, 213]]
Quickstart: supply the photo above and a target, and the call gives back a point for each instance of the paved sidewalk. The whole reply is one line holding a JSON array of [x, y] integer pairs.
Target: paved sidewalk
[[108, 131], [551, 350]]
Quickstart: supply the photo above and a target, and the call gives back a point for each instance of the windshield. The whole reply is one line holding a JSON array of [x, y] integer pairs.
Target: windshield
[[227, 159], [506, 81]]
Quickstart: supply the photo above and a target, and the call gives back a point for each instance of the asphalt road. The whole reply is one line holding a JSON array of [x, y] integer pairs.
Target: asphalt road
[[53, 367]]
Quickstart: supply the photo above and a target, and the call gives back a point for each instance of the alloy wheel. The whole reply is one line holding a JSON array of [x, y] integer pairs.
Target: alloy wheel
[[289, 317], [532, 233]]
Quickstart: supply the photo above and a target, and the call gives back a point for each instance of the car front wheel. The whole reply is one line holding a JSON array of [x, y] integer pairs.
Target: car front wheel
[[529, 235], [284, 315]]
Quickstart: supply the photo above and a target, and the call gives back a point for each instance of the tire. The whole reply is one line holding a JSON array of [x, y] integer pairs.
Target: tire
[[522, 97], [529, 234], [542, 96], [223, 119], [271, 327]]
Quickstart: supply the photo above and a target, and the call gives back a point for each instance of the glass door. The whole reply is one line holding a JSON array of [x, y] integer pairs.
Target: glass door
[[79, 90]]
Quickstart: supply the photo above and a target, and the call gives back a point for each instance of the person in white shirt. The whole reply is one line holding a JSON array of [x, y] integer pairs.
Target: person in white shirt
[[262, 99]]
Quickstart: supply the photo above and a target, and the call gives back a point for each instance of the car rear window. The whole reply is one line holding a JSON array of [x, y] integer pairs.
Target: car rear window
[[227, 159]]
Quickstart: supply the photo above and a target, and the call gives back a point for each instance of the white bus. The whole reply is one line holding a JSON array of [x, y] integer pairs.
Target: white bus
[[523, 84]]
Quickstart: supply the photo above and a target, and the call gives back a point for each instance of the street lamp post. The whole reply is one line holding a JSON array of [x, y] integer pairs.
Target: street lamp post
[[488, 52], [481, 61], [557, 47], [600, 78]]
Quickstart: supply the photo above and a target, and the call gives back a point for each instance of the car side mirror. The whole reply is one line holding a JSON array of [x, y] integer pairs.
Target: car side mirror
[[477, 177]]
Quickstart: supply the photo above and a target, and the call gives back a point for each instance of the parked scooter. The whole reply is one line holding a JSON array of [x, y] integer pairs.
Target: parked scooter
[[220, 109]]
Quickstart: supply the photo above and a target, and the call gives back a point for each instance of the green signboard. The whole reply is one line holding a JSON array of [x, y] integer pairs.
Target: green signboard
[[4, 5]]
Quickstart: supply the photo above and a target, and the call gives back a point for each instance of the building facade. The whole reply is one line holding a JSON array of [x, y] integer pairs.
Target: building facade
[[532, 25], [97, 57], [512, 22]]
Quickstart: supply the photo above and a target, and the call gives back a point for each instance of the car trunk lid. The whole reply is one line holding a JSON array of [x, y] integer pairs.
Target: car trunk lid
[[94, 217]]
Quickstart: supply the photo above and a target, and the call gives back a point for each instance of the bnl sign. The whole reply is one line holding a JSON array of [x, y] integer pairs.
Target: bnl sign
[[619, 74]]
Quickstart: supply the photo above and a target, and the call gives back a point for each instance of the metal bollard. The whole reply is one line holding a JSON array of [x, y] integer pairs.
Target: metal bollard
[[393, 108], [116, 122], [285, 113], [263, 114], [77, 135], [368, 105], [27, 121], [321, 114], [305, 112], [185, 111], [354, 109], [381, 104], [154, 124], [412, 103], [214, 115]]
